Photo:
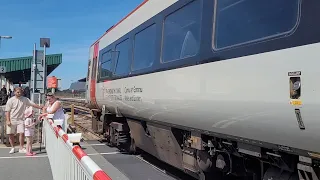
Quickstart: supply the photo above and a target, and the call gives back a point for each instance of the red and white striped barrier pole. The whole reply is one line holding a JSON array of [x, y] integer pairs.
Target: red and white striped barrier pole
[[91, 167]]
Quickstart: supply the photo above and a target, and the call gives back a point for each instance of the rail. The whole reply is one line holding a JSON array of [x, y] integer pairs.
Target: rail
[[68, 161], [78, 108], [73, 100]]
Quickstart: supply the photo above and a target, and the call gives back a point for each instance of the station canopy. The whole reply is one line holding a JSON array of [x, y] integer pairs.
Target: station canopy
[[18, 70]]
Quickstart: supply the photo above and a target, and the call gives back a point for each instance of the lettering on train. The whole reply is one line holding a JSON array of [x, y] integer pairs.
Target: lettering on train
[[131, 94], [113, 91], [114, 97], [132, 90], [132, 98]]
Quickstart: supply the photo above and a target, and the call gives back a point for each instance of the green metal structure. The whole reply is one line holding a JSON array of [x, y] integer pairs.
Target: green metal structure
[[19, 69]]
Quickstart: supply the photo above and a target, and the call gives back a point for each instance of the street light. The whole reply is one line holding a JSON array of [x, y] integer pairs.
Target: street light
[[4, 37]]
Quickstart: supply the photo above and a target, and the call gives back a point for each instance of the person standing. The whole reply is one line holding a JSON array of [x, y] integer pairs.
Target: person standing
[[27, 92], [14, 109], [29, 123], [10, 94], [53, 106], [4, 96], [4, 89]]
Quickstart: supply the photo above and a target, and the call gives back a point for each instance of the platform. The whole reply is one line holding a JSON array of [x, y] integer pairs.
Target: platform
[[18, 166]]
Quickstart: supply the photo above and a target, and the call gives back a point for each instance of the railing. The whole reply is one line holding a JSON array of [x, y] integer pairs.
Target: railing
[[68, 162]]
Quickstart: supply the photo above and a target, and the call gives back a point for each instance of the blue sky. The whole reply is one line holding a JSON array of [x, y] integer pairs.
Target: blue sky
[[72, 26]]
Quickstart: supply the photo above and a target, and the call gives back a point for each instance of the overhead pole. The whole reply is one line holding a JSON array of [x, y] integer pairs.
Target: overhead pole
[[33, 72]]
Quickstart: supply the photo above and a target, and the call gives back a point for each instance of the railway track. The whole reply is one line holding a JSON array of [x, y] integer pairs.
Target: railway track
[[76, 102], [88, 134]]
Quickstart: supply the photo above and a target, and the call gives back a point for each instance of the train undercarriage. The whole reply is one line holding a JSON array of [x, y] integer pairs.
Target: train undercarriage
[[205, 156]]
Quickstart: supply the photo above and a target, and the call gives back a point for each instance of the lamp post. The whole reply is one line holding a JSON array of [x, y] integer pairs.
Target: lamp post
[[4, 37]]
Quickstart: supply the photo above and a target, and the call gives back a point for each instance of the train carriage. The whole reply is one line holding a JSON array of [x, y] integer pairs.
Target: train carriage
[[207, 85]]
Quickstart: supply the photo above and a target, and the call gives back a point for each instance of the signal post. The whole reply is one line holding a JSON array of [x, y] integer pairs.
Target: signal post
[[39, 72], [52, 83]]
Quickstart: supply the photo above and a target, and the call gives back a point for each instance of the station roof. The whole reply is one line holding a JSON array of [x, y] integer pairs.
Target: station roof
[[19, 69]]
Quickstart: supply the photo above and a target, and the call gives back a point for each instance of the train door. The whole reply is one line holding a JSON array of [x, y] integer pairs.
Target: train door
[[93, 80], [88, 81]]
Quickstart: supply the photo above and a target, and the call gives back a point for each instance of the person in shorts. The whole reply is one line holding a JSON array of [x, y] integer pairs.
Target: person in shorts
[[29, 124], [15, 108]]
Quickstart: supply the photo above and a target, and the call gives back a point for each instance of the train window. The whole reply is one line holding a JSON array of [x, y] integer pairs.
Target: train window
[[242, 21], [181, 33], [123, 61], [144, 48], [105, 66]]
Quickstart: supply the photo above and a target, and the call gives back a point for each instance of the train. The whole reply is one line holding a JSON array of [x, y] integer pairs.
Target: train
[[213, 87]]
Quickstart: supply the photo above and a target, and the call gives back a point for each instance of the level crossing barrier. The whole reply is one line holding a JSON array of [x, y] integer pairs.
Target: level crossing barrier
[[68, 161]]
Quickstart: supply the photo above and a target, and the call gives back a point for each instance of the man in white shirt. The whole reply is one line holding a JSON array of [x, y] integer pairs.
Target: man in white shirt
[[15, 108]]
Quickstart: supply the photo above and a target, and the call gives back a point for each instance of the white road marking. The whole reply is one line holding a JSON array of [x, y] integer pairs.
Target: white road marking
[[83, 145], [153, 166], [20, 157], [37, 146], [107, 153], [41, 156]]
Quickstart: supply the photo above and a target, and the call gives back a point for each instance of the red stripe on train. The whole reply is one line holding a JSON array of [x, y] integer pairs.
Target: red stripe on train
[[93, 82]]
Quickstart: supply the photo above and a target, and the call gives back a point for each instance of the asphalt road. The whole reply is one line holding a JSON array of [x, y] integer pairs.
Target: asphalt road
[[17, 166], [137, 167], [119, 166]]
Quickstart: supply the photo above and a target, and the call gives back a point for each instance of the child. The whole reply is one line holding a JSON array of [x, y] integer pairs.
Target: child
[[29, 130]]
